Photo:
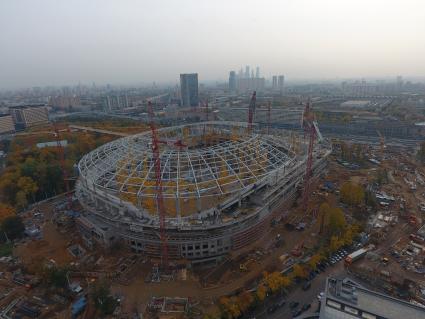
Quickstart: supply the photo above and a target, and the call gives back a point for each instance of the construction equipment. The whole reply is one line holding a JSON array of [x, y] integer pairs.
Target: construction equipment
[[245, 266], [311, 129], [251, 111], [381, 143], [159, 195], [268, 117], [62, 163], [297, 250]]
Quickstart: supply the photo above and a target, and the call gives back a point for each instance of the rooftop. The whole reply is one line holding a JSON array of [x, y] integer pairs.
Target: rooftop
[[344, 298]]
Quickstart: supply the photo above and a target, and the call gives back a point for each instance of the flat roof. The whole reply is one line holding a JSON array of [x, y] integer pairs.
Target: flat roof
[[368, 301]]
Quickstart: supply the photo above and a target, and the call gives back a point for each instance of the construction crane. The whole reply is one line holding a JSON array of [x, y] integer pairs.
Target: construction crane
[[62, 163], [158, 185], [268, 117], [381, 143], [311, 129], [251, 111]]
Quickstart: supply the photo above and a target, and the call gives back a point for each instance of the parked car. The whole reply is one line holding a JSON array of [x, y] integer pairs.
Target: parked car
[[306, 285], [272, 308], [293, 304], [305, 307]]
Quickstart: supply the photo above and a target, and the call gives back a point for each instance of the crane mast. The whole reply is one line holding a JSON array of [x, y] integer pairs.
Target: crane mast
[[158, 184], [63, 166], [309, 130], [251, 111]]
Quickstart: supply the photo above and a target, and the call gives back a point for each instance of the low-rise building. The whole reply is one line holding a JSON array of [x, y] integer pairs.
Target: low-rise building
[[345, 299], [29, 116], [6, 124]]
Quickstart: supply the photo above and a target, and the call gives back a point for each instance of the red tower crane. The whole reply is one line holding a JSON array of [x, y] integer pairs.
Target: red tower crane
[[311, 129], [63, 167], [251, 111], [158, 184]]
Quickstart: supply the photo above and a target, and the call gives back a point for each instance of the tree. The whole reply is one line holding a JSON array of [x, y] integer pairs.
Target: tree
[[261, 292], [102, 298], [13, 227], [28, 186], [336, 221], [245, 300], [21, 200], [335, 244], [351, 194], [299, 271], [230, 307], [6, 211], [276, 281], [56, 276], [314, 260], [370, 200]]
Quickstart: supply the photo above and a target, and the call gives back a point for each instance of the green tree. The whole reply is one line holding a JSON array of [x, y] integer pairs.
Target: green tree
[[13, 227], [102, 298], [56, 276]]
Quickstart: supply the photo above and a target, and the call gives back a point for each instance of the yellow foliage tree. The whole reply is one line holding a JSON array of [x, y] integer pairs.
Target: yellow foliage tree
[[336, 220], [352, 194], [230, 307], [299, 271], [314, 260], [245, 300], [6, 211], [335, 243], [261, 292]]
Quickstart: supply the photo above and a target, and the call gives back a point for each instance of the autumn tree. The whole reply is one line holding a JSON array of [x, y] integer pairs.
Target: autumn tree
[[351, 194], [299, 271], [245, 300], [261, 292], [336, 220], [230, 307], [6, 211], [276, 281], [13, 227], [314, 260], [335, 244]]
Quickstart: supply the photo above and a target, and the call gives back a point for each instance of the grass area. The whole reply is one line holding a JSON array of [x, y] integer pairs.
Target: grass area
[[6, 249]]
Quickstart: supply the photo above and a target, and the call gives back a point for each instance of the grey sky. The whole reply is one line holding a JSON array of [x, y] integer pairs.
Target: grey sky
[[55, 42]]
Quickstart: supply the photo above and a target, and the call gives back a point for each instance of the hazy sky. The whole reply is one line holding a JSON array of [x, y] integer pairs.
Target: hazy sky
[[55, 42]]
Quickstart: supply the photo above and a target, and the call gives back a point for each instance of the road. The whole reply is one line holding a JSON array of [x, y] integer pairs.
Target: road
[[301, 296], [91, 129]]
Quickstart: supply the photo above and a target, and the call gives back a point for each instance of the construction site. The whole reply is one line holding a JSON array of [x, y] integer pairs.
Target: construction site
[[174, 218], [195, 192]]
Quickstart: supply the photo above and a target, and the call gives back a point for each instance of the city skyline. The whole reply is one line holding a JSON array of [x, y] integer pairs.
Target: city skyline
[[109, 42]]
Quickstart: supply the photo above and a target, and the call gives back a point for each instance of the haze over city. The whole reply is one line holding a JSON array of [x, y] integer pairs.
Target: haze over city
[[126, 42]]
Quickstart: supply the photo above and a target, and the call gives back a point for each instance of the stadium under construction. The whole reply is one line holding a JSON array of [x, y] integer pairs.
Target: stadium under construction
[[221, 185]]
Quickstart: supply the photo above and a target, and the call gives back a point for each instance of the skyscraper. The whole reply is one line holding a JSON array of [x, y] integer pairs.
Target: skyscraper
[[189, 89], [232, 81], [274, 82], [257, 72], [280, 82], [247, 71]]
